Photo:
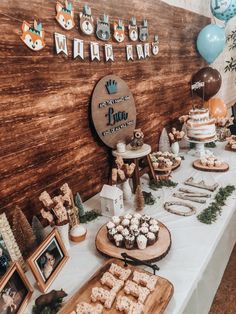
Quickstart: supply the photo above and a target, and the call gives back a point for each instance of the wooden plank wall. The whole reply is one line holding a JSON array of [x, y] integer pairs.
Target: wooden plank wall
[[46, 134]]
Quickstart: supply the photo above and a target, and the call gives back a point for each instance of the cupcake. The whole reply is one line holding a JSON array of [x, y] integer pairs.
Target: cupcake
[[125, 222], [119, 240], [203, 161], [111, 233], [141, 242], [145, 224], [129, 242], [151, 238], [137, 216], [128, 216], [144, 230], [145, 218], [218, 163], [116, 220], [125, 232], [134, 221], [110, 225], [153, 222], [119, 228], [154, 229], [133, 227]]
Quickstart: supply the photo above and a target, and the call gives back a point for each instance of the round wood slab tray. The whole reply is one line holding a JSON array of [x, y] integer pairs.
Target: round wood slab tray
[[152, 253], [223, 168], [227, 147], [175, 166]]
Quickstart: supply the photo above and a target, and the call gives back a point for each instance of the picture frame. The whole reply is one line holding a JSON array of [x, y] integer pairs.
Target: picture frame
[[15, 290], [47, 260], [8, 242]]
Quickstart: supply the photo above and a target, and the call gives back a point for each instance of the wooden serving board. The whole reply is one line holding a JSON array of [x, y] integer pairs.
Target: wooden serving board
[[156, 302], [152, 253], [228, 147], [175, 166], [223, 168]]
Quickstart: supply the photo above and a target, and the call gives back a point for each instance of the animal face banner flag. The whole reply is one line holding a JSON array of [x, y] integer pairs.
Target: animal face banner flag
[[34, 36]]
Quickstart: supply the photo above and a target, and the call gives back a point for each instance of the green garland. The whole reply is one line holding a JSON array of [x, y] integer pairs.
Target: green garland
[[149, 199], [210, 145], [209, 215], [88, 216], [155, 185]]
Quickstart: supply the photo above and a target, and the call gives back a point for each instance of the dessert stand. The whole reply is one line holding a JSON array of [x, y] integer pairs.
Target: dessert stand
[[199, 150]]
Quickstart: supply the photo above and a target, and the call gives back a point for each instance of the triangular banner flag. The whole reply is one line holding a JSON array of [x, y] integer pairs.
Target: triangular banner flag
[[61, 45], [129, 52], [78, 48], [94, 50], [109, 52]]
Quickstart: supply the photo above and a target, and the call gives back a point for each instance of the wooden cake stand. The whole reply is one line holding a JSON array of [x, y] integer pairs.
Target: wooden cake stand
[[223, 168], [175, 166], [229, 148], [152, 253], [156, 302]]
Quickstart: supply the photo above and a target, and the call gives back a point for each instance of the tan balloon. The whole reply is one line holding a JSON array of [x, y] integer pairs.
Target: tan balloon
[[217, 108]]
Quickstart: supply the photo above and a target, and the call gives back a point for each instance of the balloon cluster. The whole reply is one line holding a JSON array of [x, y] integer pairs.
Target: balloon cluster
[[211, 39], [210, 43]]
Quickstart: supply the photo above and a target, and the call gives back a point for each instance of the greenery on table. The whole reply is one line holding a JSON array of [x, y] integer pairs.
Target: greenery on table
[[149, 199], [155, 185], [231, 64], [89, 216], [52, 308], [210, 214], [210, 145]]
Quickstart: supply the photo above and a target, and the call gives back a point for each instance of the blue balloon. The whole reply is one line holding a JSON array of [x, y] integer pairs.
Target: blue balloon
[[223, 9], [211, 42]]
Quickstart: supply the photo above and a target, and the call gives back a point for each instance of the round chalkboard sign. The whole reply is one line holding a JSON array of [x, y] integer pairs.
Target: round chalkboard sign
[[113, 110]]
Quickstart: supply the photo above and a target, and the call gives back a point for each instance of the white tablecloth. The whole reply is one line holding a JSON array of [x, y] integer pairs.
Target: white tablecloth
[[199, 252]]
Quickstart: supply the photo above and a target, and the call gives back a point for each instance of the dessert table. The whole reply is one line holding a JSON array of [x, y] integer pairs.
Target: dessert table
[[199, 254]]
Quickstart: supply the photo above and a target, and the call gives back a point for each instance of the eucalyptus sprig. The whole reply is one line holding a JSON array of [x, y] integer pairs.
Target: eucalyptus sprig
[[155, 185], [210, 214]]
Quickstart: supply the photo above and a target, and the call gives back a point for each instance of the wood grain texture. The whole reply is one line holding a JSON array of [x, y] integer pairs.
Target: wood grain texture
[[156, 302], [47, 137]]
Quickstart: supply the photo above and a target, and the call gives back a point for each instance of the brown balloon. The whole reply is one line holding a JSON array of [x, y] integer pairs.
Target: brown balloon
[[212, 79]]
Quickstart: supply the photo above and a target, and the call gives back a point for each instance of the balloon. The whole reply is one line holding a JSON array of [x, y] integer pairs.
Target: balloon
[[217, 108], [223, 9], [212, 79], [211, 42]]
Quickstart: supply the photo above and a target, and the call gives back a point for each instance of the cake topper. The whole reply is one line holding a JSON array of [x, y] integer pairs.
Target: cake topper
[[33, 36], [65, 15], [103, 31], [86, 21], [119, 31], [143, 31], [133, 29]]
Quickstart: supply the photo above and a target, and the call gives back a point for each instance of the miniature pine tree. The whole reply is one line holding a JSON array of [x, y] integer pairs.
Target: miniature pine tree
[[38, 230], [79, 204], [23, 232], [139, 199]]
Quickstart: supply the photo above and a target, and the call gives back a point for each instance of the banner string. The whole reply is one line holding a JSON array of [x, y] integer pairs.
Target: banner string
[[114, 44]]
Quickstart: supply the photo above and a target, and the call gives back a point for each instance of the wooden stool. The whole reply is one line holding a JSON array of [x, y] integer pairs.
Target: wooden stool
[[136, 156]]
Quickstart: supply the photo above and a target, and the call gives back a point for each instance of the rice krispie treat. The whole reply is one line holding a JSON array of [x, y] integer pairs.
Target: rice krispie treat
[[110, 281], [104, 296], [120, 272], [127, 306], [141, 293], [143, 279], [86, 308]]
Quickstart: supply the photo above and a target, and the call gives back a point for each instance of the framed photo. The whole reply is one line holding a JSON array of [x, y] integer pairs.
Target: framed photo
[[47, 260], [15, 291], [8, 245]]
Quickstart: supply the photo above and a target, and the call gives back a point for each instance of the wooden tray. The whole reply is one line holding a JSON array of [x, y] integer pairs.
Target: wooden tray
[[197, 165], [152, 253], [156, 302], [175, 166], [228, 147]]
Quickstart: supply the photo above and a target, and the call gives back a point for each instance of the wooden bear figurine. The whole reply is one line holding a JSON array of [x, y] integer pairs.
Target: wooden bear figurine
[[50, 298]]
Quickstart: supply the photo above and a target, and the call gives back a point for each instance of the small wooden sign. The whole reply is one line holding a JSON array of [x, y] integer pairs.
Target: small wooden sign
[[113, 110]]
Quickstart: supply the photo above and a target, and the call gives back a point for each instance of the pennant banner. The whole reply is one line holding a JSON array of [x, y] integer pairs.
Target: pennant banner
[[61, 45], [146, 50], [94, 50], [140, 52], [109, 52], [78, 48], [129, 52]]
